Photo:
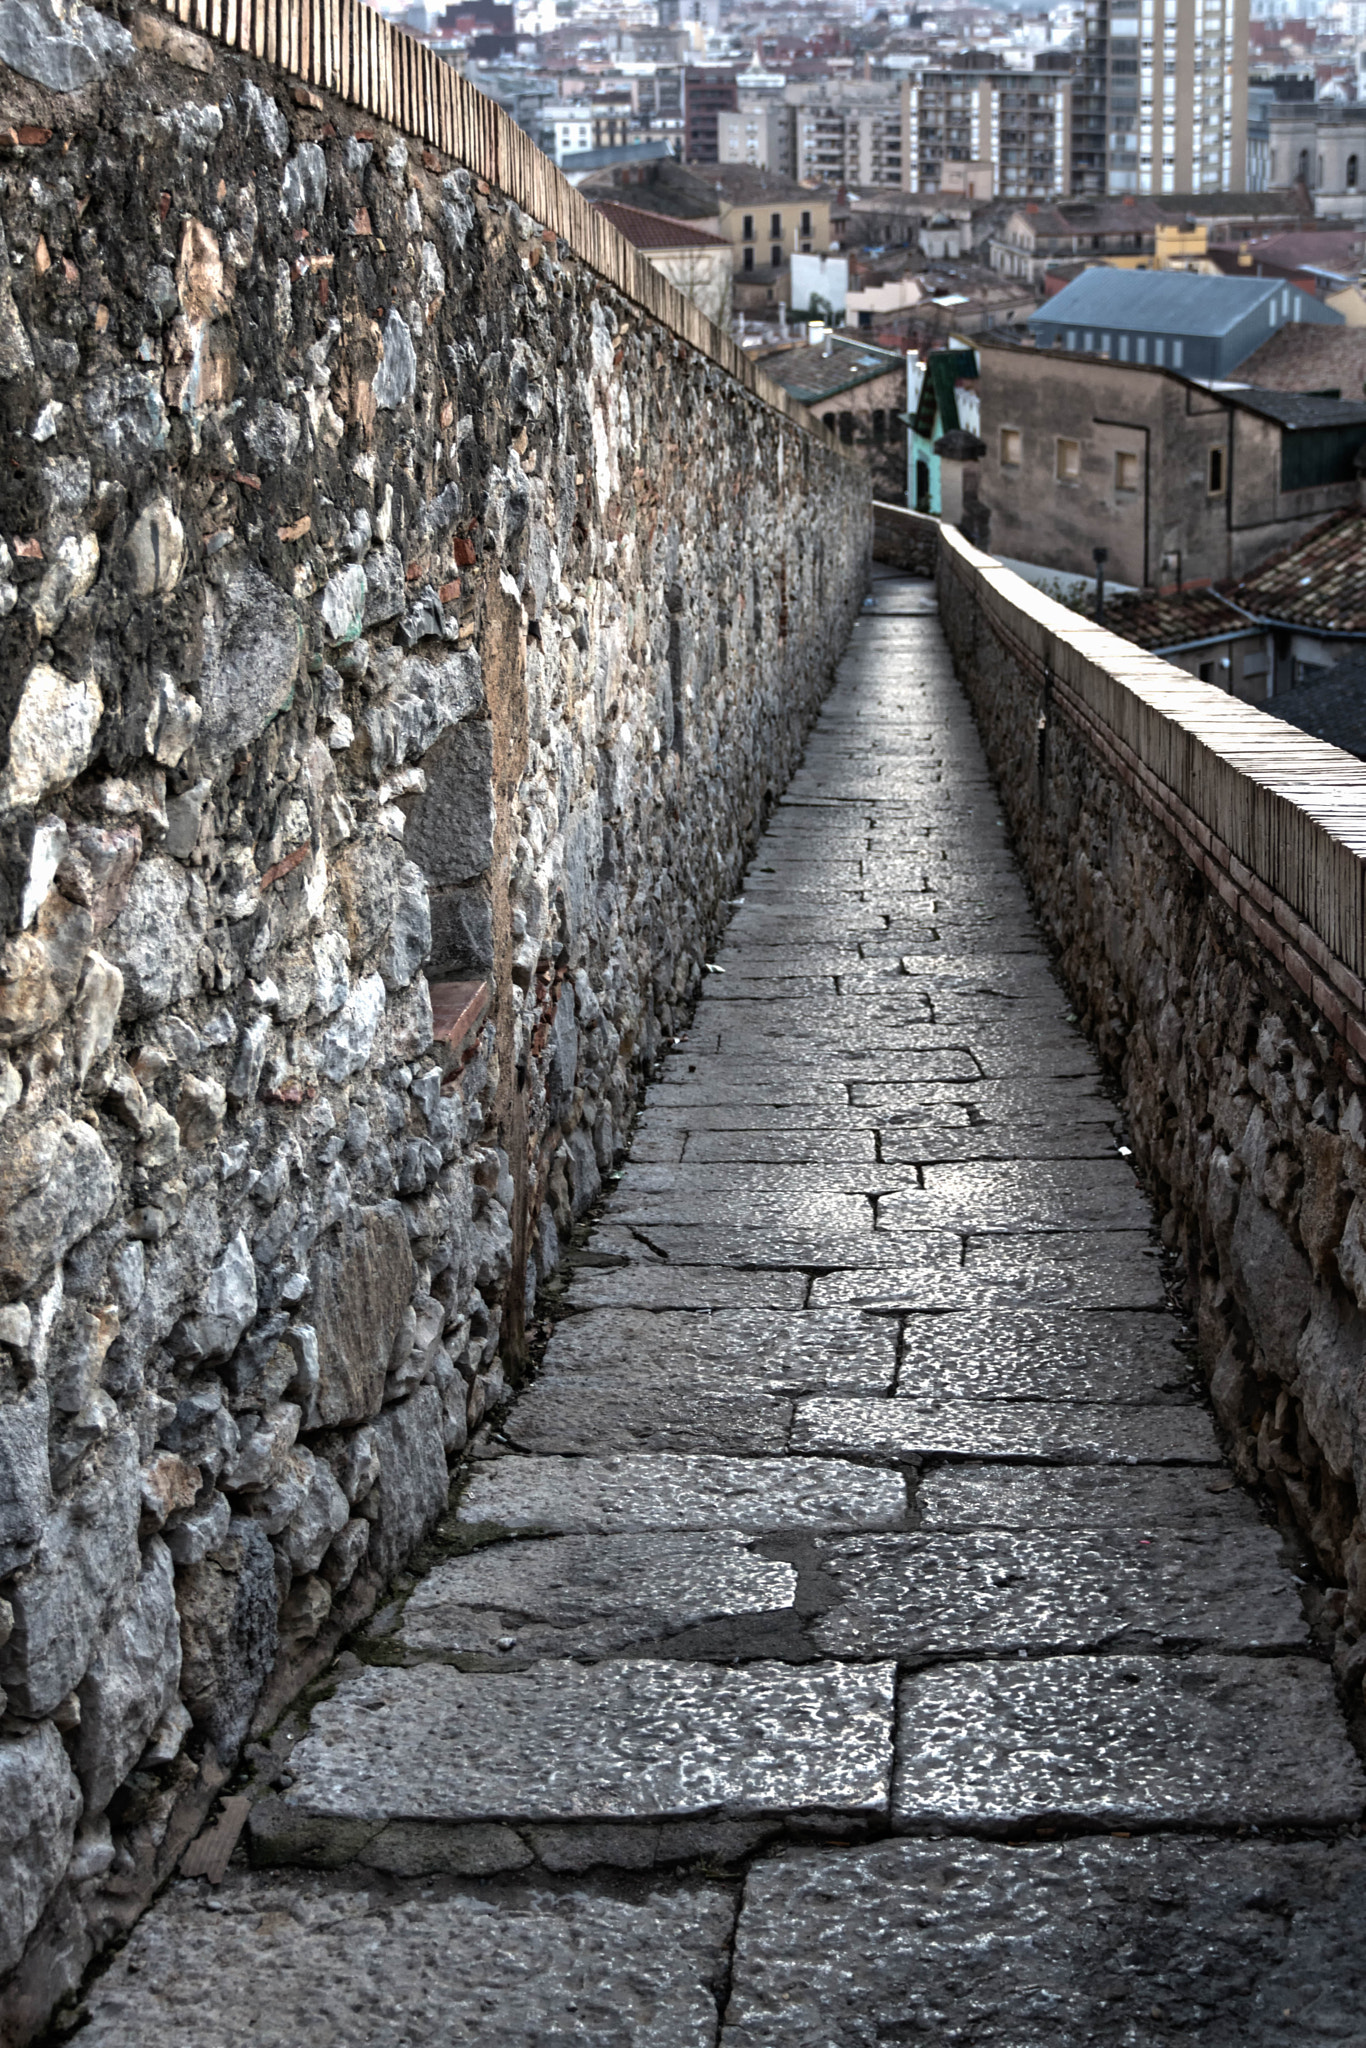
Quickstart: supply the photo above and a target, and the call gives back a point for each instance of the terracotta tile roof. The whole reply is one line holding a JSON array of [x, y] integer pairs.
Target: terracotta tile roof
[[657, 230], [1304, 358], [1160, 624], [1332, 709], [1319, 584]]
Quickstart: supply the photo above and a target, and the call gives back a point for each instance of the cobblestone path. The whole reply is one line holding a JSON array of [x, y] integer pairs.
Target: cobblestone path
[[854, 1635]]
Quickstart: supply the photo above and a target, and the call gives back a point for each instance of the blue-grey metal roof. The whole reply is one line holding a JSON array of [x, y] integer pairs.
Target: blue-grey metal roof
[[1165, 302]]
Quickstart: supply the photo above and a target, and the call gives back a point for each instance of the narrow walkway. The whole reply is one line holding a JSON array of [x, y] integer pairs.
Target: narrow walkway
[[853, 1636]]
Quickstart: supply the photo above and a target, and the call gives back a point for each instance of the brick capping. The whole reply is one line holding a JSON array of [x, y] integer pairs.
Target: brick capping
[[346, 48], [1274, 819]]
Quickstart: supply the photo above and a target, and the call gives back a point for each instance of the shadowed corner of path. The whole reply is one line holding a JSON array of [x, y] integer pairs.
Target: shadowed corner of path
[[854, 1634]]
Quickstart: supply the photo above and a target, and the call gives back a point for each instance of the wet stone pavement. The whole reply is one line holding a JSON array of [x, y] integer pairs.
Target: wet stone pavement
[[854, 1635]]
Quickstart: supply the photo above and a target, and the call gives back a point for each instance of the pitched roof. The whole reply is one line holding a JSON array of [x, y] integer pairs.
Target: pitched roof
[[810, 374], [657, 230], [1333, 709], [1335, 249], [1183, 619], [1319, 584], [741, 184], [1299, 409], [1161, 301], [1303, 358]]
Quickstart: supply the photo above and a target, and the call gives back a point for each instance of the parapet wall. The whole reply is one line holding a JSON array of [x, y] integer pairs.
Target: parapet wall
[[410, 608], [1201, 869]]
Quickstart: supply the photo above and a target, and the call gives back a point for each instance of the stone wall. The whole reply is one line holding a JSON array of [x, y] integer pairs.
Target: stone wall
[[1197, 866], [905, 539], [405, 633]]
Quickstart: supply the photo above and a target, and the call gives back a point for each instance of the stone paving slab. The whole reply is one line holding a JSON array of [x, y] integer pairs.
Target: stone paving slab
[[1084, 1194], [631, 1739], [643, 1183], [1092, 1944], [1048, 1432], [818, 1211], [999, 1592], [1029, 1355], [585, 1416], [1126, 1263], [687, 1287], [302, 1961], [689, 1244], [836, 1349], [572, 1496], [1141, 1498], [816, 1148], [953, 1140], [587, 1596], [1030, 1279], [1125, 1741]]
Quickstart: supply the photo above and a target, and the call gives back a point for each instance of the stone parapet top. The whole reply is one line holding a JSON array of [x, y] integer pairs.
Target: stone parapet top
[[1278, 817], [346, 48]]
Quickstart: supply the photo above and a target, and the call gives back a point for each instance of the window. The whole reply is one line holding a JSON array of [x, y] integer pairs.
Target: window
[[1207, 671], [1126, 470], [806, 223], [829, 421], [1105, 344], [1216, 472], [1088, 340], [806, 248], [1124, 348], [775, 254], [775, 227], [1351, 173], [1069, 461], [1071, 337], [1178, 350], [747, 228], [846, 426], [1140, 348], [1011, 447], [879, 426], [865, 318], [747, 260], [1158, 350]]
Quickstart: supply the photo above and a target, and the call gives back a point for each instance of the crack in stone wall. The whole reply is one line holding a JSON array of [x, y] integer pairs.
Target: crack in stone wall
[[1246, 1108], [404, 638]]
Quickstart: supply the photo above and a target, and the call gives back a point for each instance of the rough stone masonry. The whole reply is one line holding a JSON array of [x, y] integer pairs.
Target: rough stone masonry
[[403, 642]]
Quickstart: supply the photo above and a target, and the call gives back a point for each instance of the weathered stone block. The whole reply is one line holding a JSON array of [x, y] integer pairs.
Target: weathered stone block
[[362, 1279], [131, 1682], [450, 826], [40, 1803], [228, 1634], [411, 1489], [82, 1574]]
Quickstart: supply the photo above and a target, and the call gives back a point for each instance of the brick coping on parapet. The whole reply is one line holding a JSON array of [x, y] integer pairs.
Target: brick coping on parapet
[[1280, 834], [345, 48]]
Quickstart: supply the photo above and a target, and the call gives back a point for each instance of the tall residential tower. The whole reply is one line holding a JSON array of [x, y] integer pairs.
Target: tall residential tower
[[1160, 98]]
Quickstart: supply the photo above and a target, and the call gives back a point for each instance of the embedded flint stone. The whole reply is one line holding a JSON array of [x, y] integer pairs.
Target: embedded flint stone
[[61, 47]]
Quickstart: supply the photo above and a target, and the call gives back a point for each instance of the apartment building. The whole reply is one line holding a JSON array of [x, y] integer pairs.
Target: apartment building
[[847, 132], [990, 133], [758, 133], [1160, 103], [706, 96]]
